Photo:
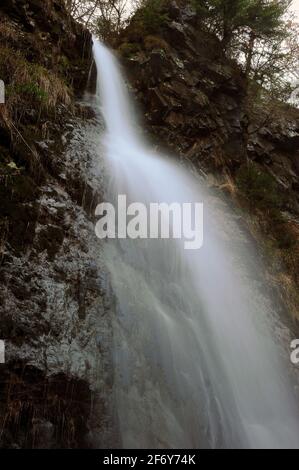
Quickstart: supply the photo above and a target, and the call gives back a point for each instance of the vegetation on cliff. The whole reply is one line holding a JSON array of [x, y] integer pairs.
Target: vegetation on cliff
[[44, 57]]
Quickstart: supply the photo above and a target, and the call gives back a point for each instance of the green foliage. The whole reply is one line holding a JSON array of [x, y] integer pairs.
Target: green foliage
[[29, 85], [230, 17], [155, 42], [265, 18], [257, 33], [64, 65], [285, 238], [262, 193], [106, 28], [30, 90], [259, 187], [128, 49], [152, 15]]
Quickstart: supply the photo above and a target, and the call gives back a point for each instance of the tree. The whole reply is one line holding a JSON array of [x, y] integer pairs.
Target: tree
[[152, 14], [82, 10], [265, 29], [259, 34], [101, 16], [113, 15], [230, 18], [224, 17]]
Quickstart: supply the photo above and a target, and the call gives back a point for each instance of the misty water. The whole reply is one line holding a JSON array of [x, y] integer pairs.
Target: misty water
[[196, 360]]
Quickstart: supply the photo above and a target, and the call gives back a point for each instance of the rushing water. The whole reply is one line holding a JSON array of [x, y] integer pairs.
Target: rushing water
[[195, 354]]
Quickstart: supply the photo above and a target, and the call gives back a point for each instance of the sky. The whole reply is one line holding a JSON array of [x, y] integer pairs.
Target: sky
[[296, 7]]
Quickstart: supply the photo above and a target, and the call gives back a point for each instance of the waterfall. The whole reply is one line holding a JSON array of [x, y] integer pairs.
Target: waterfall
[[196, 360]]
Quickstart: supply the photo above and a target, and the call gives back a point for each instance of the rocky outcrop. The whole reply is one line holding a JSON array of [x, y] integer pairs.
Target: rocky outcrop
[[55, 312], [193, 95], [54, 298], [45, 33]]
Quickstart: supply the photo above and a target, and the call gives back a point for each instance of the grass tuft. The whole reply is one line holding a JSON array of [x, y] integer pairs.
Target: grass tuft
[[29, 86]]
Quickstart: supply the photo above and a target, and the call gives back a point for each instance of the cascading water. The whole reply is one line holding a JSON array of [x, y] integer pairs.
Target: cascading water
[[196, 365]]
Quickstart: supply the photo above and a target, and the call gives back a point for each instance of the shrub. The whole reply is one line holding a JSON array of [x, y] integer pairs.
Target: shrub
[[7, 32], [29, 84], [155, 42], [30, 90], [286, 238], [152, 15], [128, 49], [259, 187]]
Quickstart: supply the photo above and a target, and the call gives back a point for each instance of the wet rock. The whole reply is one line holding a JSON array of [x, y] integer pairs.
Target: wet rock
[[191, 91], [43, 432], [43, 412], [53, 309], [52, 301], [174, 11]]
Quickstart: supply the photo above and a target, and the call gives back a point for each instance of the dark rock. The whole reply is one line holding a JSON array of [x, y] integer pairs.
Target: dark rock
[[52, 304]]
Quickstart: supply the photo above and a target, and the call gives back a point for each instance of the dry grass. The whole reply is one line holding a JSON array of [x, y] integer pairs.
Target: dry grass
[[155, 42], [7, 32], [28, 399], [29, 86], [229, 185], [285, 284]]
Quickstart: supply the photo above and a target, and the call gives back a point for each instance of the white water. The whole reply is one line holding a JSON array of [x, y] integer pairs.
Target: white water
[[196, 364]]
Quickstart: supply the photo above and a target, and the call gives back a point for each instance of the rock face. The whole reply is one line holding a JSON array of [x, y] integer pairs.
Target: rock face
[[193, 95], [195, 101], [49, 35], [54, 298], [55, 312]]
